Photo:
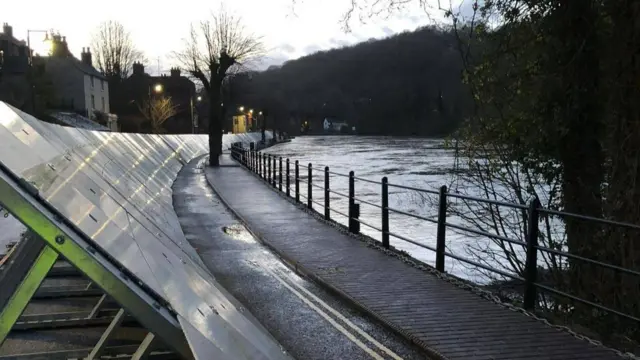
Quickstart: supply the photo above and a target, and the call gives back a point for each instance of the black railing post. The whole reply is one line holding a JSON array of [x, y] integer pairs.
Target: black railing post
[[352, 201], [310, 188], [261, 159], [297, 171], [327, 195], [385, 212], [441, 232], [274, 178], [288, 181], [269, 168], [531, 265], [280, 173]]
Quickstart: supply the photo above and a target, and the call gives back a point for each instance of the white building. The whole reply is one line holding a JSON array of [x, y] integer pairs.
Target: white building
[[78, 85], [333, 126]]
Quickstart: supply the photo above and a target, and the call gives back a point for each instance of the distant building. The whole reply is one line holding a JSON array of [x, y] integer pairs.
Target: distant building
[[14, 53], [139, 87], [78, 85], [241, 124], [331, 125]]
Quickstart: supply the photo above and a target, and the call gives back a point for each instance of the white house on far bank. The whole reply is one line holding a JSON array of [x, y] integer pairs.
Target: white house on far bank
[[333, 125], [78, 85]]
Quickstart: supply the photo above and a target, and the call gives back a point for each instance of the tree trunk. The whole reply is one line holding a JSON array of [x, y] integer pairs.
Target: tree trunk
[[215, 125], [581, 153], [623, 191]]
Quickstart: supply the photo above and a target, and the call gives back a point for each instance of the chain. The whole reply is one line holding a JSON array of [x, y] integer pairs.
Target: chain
[[485, 294]]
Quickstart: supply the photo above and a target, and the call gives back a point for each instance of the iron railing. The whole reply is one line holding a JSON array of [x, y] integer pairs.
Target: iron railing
[[270, 168]]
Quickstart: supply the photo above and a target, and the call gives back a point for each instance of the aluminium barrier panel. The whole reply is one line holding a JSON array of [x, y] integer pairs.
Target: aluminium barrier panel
[[111, 192]]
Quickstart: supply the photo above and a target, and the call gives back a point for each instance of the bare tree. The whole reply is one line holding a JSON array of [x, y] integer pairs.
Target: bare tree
[[113, 50], [158, 111], [214, 49]]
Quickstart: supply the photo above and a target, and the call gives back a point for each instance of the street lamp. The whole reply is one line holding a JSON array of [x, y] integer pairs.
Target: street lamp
[[158, 88], [194, 117], [46, 40], [241, 108]]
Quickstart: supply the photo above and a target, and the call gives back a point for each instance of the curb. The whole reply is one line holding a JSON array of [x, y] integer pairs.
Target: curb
[[319, 280]]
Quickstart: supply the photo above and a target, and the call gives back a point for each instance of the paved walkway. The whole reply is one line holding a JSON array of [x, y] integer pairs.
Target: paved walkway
[[449, 321], [309, 322]]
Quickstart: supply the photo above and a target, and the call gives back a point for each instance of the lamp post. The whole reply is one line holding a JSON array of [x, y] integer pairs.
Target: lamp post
[[194, 117], [157, 88], [46, 39]]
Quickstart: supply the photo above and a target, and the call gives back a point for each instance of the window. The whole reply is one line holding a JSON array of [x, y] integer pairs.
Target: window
[[92, 83], [102, 84], [93, 102], [103, 107]]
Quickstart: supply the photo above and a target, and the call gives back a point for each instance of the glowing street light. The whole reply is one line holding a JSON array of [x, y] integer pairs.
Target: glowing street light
[[199, 98], [157, 88], [250, 111], [260, 113], [241, 108]]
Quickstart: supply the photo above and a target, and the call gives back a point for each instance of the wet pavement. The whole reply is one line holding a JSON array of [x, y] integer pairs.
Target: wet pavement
[[306, 320]]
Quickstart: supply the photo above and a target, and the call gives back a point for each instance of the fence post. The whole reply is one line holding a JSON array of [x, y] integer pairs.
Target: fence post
[[385, 212], [297, 171], [274, 178], [261, 158], [441, 232], [327, 194], [352, 201], [280, 173], [310, 188], [531, 265], [288, 182], [269, 168]]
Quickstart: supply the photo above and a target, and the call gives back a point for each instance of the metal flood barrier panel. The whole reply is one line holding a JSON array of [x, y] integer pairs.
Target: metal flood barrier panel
[[103, 201]]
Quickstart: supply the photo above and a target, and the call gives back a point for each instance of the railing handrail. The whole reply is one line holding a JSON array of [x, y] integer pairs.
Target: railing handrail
[[487, 201], [264, 165]]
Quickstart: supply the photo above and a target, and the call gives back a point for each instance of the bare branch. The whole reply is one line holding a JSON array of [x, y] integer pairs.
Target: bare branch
[[158, 111], [218, 46], [113, 50]]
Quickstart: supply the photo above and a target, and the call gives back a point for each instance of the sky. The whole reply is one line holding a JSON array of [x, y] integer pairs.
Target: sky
[[289, 28]]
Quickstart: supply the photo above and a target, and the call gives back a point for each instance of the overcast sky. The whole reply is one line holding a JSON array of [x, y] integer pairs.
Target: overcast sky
[[289, 31]]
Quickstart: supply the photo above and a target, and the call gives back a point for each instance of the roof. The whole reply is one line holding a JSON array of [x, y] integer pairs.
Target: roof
[[87, 69]]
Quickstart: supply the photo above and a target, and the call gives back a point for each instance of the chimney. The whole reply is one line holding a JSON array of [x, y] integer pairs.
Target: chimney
[[7, 29], [175, 72], [85, 56], [60, 48], [138, 68]]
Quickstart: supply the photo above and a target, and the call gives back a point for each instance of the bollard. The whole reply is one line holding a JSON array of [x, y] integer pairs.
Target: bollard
[[442, 227], [280, 173], [531, 264], [327, 195], [297, 171], [287, 184], [385, 212], [310, 188]]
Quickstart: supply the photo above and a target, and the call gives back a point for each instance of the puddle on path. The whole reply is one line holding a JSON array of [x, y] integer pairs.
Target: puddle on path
[[238, 232]]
